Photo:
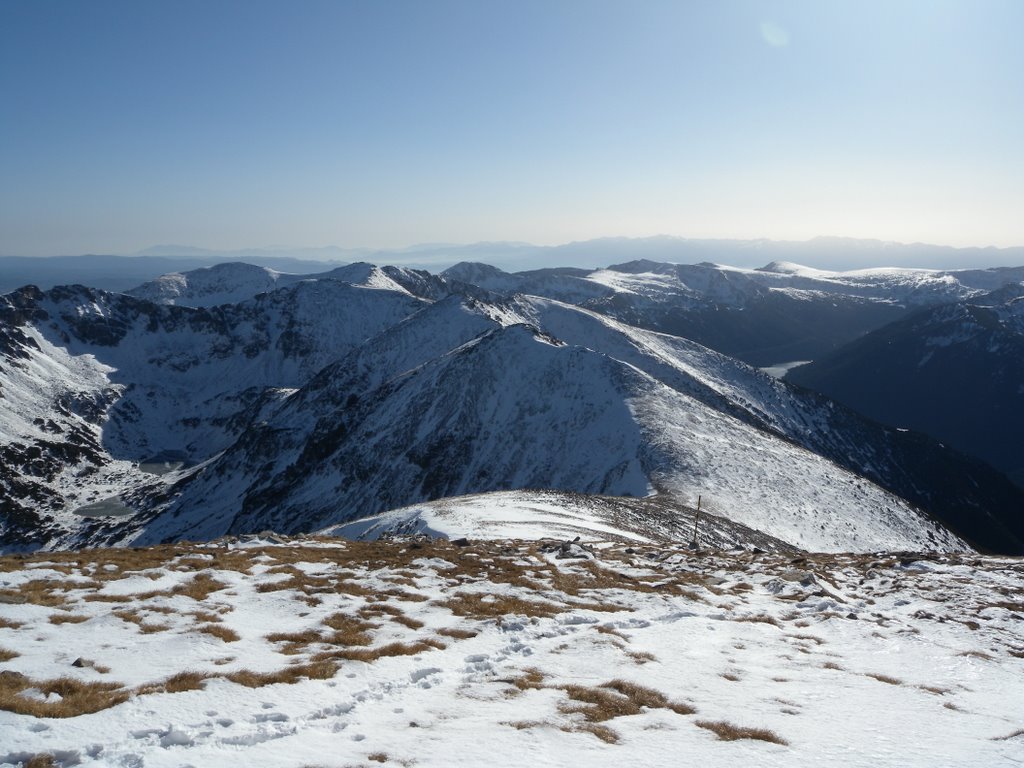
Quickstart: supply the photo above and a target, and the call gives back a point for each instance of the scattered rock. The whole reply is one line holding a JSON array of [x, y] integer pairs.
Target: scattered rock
[[463, 542]]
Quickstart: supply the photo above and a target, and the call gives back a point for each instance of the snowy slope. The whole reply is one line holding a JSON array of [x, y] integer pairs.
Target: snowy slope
[[324, 652], [325, 401], [93, 383], [955, 372], [226, 283], [775, 314], [535, 515], [235, 282], [522, 409]]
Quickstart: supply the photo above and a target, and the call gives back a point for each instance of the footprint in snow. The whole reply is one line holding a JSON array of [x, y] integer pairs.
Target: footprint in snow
[[420, 676], [271, 717]]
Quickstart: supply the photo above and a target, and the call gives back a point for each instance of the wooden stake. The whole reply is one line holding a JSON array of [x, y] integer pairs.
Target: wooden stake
[[696, 517]]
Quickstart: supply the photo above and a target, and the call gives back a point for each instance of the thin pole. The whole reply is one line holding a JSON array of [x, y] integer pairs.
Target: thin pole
[[696, 517]]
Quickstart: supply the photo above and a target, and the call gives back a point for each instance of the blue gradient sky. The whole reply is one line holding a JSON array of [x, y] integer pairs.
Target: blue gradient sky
[[235, 124]]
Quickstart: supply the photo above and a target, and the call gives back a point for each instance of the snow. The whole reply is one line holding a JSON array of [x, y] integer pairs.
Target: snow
[[537, 394], [853, 661], [779, 370], [510, 514]]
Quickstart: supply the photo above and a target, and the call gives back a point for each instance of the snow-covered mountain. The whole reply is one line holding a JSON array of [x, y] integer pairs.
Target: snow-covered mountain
[[538, 515], [93, 383], [780, 312], [538, 394], [328, 399], [234, 282], [954, 371]]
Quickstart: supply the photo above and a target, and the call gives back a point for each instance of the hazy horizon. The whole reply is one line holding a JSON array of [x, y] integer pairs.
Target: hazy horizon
[[184, 249], [825, 253], [388, 123]]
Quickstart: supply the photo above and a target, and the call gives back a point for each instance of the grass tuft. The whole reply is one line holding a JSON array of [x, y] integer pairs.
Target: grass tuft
[[68, 618], [1007, 737], [884, 678], [183, 681], [75, 697], [457, 633], [226, 634], [316, 670], [391, 649], [729, 732]]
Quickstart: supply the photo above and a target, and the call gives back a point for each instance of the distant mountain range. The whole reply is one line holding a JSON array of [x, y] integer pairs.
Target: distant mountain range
[[119, 273], [294, 403]]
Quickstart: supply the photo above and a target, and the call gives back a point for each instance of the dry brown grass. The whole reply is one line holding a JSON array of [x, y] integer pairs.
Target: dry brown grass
[[761, 618], [305, 637], [349, 630], [404, 595], [77, 697], [479, 606], [977, 655], [616, 698], [295, 642], [133, 617], [408, 621], [391, 649], [183, 681], [199, 587], [298, 580], [316, 670], [603, 732], [46, 592], [605, 629], [6, 654], [1007, 737], [730, 676], [884, 678], [392, 612], [378, 757], [457, 632], [648, 697], [729, 732], [67, 618], [208, 617], [641, 657], [811, 638], [532, 679], [832, 665], [226, 634], [8, 624], [42, 760], [94, 597]]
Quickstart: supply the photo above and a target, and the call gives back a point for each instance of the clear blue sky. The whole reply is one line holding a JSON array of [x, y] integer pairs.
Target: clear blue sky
[[234, 124]]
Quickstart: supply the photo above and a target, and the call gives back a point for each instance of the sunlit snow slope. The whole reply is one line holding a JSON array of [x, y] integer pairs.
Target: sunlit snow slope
[[369, 389]]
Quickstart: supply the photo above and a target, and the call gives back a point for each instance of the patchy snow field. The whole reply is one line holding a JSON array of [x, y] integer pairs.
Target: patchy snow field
[[319, 652]]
